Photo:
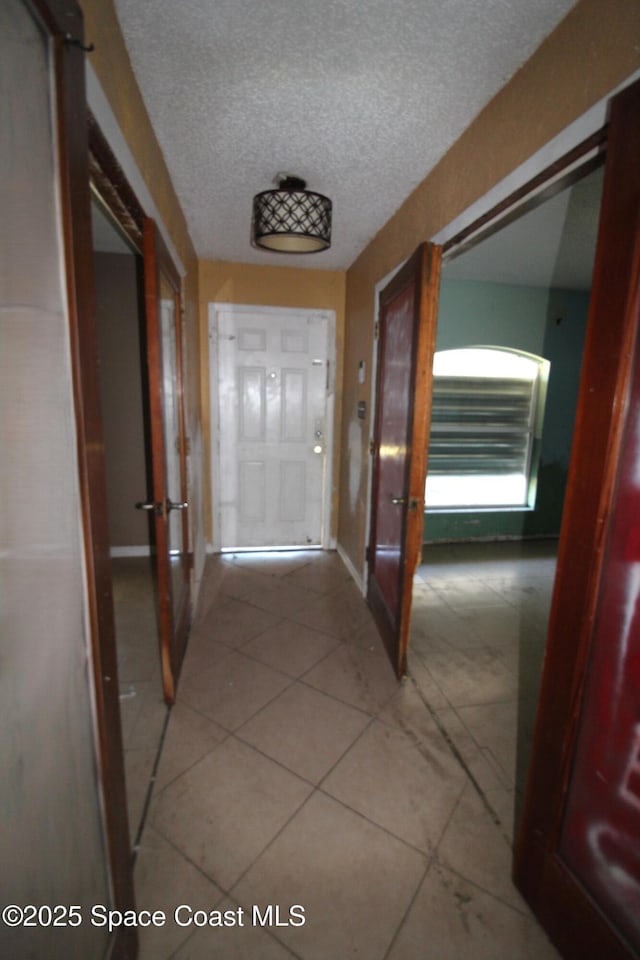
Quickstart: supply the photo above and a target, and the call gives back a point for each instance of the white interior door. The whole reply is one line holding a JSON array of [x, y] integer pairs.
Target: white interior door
[[273, 380]]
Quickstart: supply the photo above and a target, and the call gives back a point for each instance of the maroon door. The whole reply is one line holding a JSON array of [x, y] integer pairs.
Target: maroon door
[[407, 319], [600, 836], [578, 851]]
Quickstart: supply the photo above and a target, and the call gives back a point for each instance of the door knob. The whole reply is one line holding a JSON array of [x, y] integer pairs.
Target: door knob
[[398, 501], [176, 506]]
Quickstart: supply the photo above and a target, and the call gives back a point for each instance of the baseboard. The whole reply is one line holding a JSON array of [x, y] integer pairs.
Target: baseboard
[[352, 570], [141, 551], [492, 538]]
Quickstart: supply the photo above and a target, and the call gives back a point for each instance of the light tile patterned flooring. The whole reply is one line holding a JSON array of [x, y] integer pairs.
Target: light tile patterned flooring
[[296, 770], [142, 708]]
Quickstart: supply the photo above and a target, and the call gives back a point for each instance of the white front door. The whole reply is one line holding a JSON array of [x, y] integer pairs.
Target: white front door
[[272, 372]]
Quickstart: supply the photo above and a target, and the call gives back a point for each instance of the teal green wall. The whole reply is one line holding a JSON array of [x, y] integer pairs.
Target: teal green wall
[[491, 314], [552, 324]]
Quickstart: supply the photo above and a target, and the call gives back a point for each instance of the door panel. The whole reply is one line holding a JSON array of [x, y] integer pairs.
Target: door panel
[[408, 314], [600, 838], [394, 440], [576, 857], [169, 501], [272, 395]]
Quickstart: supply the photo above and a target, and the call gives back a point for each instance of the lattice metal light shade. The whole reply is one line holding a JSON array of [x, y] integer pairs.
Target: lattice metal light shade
[[291, 219]]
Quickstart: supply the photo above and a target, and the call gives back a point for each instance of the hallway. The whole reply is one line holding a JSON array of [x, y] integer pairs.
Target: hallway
[[296, 771]]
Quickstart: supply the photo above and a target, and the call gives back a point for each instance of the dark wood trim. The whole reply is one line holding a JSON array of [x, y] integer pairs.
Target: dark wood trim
[[531, 194], [388, 621], [180, 643], [64, 18], [173, 630], [182, 622], [156, 411], [572, 919], [427, 321], [112, 186], [386, 626]]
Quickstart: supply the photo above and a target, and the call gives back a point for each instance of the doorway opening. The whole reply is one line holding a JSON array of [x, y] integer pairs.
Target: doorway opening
[[121, 337], [272, 399], [482, 593]]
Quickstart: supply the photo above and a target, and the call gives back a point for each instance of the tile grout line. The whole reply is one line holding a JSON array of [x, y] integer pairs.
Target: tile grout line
[[433, 860], [392, 942], [238, 736], [185, 706], [317, 789], [184, 856], [431, 857], [150, 787], [524, 912], [459, 758], [292, 680]]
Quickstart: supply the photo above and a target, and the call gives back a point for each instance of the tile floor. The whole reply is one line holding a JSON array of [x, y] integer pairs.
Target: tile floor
[[295, 770]]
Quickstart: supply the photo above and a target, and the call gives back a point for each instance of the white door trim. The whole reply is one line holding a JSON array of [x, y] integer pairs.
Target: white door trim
[[327, 542]]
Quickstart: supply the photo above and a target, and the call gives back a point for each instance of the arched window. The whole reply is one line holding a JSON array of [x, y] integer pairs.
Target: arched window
[[486, 427]]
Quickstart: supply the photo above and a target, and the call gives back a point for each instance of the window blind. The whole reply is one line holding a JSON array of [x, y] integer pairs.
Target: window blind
[[481, 426]]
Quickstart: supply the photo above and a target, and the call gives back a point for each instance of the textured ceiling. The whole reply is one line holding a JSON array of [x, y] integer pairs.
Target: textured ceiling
[[360, 98]]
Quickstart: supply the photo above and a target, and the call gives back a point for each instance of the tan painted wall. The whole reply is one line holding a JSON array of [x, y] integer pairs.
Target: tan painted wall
[[270, 286], [593, 49], [111, 63]]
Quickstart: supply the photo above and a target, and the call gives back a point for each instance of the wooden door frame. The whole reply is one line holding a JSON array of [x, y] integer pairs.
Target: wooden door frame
[[118, 196], [65, 23], [113, 187], [539, 871]]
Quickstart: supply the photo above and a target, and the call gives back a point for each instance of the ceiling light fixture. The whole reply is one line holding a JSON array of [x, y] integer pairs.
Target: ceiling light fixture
[[291, 219]]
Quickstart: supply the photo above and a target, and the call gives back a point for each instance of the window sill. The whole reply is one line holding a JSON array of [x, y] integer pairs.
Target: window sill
[[484, 509]]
